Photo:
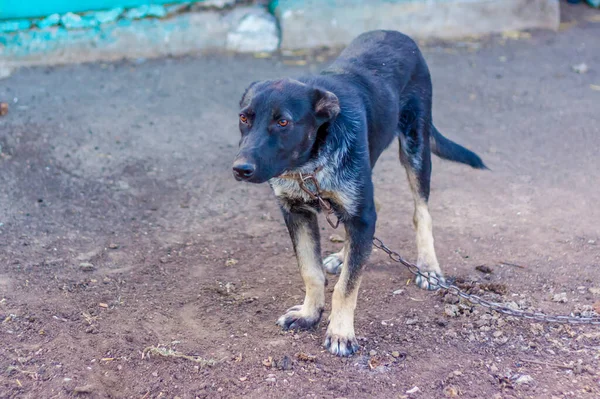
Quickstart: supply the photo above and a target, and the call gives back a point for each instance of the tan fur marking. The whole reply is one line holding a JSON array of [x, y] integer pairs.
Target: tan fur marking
[[343, 304], [426, 258], [311, 271]]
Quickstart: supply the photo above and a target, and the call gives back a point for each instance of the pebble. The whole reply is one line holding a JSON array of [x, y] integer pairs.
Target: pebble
[[410, 322], [561, 298], [373, 353], [594, 290], [86, 267], [336, 238], [396, 354], [112, 245], [397, 292], [524, 379], [451, 310], [580, 68]]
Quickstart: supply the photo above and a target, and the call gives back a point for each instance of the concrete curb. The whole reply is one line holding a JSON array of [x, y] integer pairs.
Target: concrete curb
[[191, 32], [303, 23], [316, 23]]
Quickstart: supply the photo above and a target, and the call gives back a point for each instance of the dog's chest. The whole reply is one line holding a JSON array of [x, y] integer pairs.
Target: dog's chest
[[288, 190]]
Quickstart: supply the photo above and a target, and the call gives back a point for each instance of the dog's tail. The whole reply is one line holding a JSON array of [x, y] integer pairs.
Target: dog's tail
[[448, 149]]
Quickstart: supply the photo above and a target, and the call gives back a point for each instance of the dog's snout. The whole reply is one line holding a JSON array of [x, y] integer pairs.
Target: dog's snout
[[243, 170]]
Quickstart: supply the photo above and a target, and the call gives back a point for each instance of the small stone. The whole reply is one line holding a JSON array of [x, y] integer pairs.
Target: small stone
[[483, 269], [103, 305], [413, 390], [336, 238], [67, 379], [497, 334], [524, 379], [256, 32], [112, 245], [86, 267], [284, 364], [451, 310], [410, 322], [451, 391], [373, 352], [155, 374], [243, 379], [231, 262], [580, 68], [594, 290], [397, 292], [396, 354], [561, 298]]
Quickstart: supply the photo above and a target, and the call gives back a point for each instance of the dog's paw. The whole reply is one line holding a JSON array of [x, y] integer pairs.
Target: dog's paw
[[333, 264], [341, 345], [426, 284], [296, 318]]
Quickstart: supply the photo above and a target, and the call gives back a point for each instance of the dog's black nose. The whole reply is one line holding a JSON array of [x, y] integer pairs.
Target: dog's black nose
[[243, 171]]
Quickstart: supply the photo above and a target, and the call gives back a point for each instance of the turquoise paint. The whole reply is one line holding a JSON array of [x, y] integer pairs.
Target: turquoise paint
[[42, 8]]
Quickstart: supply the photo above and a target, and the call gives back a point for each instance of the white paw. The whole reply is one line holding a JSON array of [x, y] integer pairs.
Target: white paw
[[427, 284], [297, 319], [333, 264]]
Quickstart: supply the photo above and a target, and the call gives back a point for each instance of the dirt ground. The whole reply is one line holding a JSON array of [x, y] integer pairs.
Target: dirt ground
[[123, 235]]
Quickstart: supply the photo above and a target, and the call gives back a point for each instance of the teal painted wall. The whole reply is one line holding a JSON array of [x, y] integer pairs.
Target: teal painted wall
[[41, 8]]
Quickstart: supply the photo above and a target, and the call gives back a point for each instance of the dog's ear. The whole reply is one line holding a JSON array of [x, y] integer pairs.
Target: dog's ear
[[326, 105], [247, 96]]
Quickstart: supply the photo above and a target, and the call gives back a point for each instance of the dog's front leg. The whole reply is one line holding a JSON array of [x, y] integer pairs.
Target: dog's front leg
[[340, 339], [304, 232]]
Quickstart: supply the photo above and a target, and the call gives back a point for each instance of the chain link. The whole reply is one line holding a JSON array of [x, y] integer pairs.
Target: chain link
[[433, 279], [474, 299]]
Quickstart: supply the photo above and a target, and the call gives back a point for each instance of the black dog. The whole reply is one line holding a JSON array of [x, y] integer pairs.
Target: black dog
[[338, 123]]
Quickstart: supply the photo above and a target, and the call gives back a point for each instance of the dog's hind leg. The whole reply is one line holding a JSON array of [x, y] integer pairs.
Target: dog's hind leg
[[415, 155], [304, 232]]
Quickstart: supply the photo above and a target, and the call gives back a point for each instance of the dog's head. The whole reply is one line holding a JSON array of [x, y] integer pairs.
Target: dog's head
[[279, 121]]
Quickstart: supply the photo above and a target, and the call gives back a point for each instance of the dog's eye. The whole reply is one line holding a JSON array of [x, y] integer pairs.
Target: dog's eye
[[243, 118], [282, 122]]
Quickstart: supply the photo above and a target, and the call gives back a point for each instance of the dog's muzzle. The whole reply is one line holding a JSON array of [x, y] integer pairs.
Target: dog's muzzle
[[243, 170]]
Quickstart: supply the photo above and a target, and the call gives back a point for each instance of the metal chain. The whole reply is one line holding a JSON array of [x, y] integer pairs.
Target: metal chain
[[435, 280], [474, 299]]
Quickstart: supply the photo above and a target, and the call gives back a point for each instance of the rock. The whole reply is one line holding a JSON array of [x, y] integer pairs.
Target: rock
[[112, 245], [561, 298], [396, 354], [524, 379], [5, 72], [451, 391], [373, 353], [413, 390], [397, 292], [410, 322], [594, 290], [336, 238], [84, 389], [86, 267], [483, 269], [285, 363], [256, 32], [580, 68], [451, 310]]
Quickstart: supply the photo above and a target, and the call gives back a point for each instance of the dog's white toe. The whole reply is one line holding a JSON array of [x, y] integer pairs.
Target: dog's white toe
[[333, 264], [426, 284]]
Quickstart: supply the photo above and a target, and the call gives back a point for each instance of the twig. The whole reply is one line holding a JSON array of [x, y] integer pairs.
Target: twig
[[511, 264], [560, 366]]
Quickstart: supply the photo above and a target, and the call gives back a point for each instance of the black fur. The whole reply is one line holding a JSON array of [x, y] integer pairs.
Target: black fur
[[341, 120]]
